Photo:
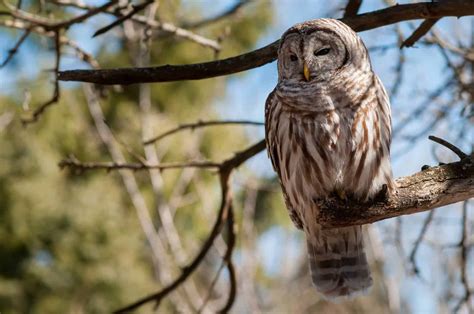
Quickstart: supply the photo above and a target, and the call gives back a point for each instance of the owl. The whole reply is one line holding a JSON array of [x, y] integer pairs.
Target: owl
[[328, 132]]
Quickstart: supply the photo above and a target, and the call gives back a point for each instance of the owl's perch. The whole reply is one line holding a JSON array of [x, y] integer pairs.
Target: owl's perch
[[259, 57], [428, 189]]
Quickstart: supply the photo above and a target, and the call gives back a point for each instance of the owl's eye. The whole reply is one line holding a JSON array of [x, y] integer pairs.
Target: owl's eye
[[322, 52], [293, 58]]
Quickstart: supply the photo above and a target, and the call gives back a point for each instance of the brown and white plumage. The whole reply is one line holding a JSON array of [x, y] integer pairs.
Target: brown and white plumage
[[328, 130]]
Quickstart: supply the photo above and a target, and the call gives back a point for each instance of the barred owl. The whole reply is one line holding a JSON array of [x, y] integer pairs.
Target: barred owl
[[328, 132]]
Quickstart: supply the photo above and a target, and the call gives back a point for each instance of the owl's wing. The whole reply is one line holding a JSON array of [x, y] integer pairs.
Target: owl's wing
[[385, 125], [384, 110], [272, 148], [270, 132]]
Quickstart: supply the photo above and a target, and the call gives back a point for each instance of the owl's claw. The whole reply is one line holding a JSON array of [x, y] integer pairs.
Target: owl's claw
[[342, 194], [383, 195]]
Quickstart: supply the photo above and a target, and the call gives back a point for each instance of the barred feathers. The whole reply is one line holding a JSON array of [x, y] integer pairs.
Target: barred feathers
[[330, 134]]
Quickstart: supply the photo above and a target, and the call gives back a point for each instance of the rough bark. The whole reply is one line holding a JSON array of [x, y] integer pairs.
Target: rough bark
[[422, 191]]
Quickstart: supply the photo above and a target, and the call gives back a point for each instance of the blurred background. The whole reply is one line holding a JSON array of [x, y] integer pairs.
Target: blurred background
[[92, 242]]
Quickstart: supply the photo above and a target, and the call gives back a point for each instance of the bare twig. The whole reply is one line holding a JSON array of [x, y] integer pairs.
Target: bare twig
[[228, 261], [450, 146], [161, 259], [419, 32], [135, 10], [420, 237], [259, 57], [188, 270], [225, 171], [199, 124], [159, 26], [54, 99], [49, 25], [13, 51], [78, 166], [211, 287]]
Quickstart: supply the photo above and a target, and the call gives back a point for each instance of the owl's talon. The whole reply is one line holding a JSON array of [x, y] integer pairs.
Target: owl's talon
[[383, 195], [342, 194]]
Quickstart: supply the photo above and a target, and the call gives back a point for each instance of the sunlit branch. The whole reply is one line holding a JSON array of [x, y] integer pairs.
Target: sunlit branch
[[259, 57]]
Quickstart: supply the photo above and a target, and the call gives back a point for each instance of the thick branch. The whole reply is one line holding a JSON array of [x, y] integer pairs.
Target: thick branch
[[422, 191], [259, 57]]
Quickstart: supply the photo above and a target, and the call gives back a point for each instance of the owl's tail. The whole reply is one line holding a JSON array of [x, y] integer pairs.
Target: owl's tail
[[337, 261]]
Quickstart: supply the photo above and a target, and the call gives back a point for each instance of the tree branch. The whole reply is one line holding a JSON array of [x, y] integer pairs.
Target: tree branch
[[422, 191], [259, 57], [225, 214], [76, 165], [200, 124], [352, 8], [419, 32]]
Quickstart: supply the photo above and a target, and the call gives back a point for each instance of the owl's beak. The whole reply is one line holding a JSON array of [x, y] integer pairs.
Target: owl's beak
[[306, 73]]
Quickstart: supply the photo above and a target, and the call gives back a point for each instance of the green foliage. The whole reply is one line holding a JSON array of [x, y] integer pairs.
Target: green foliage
[[73, 243]]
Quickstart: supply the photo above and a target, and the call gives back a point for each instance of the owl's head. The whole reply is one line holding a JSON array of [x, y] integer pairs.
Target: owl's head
[[318, 49]]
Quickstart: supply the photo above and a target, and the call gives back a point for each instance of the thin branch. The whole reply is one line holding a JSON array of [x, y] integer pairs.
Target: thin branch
[[53, 25], [78, 166], [199, 124], [420, 237], [419, 32], [228, 261], [211, 288], [188, 270], [135, 10], [259, 57], [450, 146], [225, 172], [54, 99], [65, 41], [155, 25], [14, 50]]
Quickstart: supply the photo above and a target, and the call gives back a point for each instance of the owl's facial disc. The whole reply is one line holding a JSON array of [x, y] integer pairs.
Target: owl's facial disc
[[324, 53], [307, 57]]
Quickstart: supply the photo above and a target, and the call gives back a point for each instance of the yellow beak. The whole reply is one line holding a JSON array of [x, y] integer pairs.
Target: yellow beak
[[306, 72]]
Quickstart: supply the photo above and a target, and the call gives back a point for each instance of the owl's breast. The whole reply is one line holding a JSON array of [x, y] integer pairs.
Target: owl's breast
[[313, 151]]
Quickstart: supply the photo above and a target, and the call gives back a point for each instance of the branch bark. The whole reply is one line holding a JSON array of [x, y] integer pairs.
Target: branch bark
[[422, 191], [259, 57], [352, 8]]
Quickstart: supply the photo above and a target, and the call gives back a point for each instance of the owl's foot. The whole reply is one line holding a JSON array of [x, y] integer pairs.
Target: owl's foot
[[383, 195], [342, 194]]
